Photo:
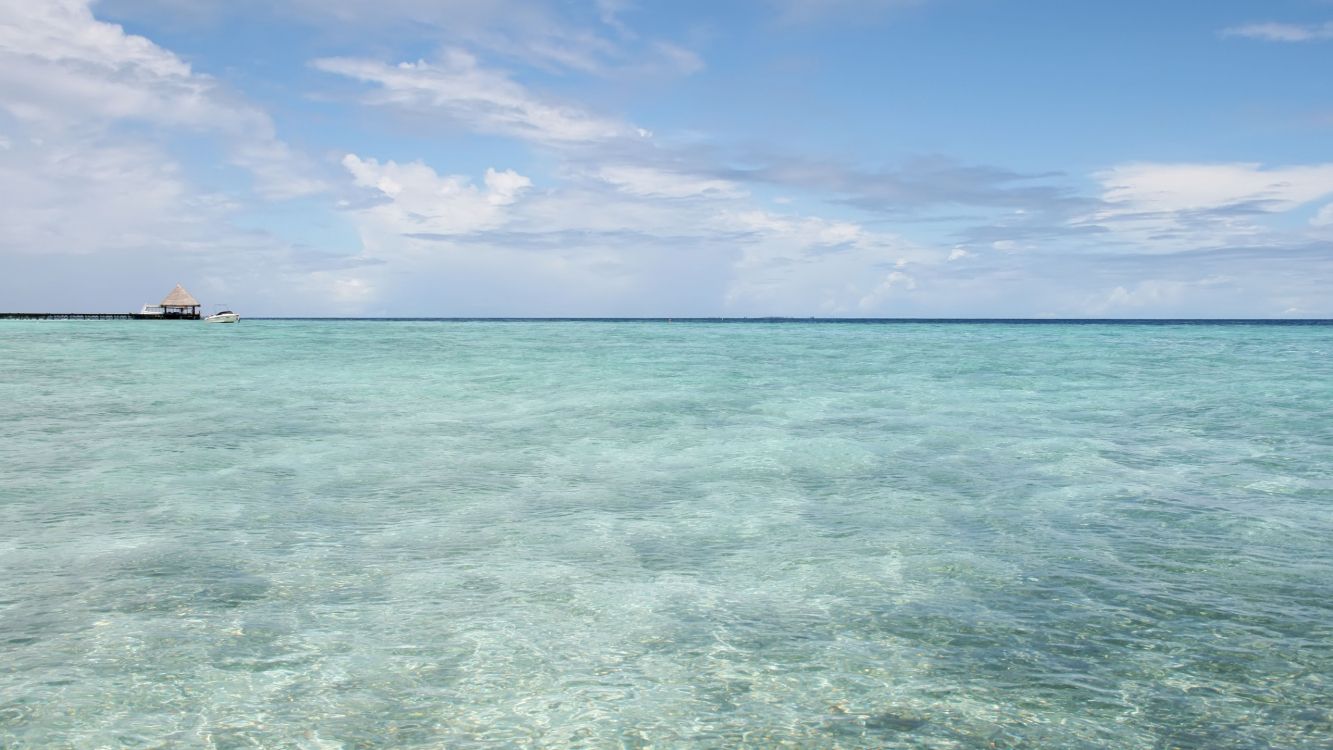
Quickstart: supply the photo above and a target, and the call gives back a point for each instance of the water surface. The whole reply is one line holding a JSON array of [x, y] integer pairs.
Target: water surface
[[320, 534]]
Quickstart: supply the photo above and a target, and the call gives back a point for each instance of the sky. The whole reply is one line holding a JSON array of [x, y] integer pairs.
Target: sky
[[829, 158]]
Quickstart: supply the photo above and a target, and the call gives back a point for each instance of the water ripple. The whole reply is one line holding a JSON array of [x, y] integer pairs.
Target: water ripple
[[432, 534]]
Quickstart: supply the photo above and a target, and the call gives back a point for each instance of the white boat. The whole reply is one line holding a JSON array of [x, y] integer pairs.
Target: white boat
[[151, 310], [222, 316]]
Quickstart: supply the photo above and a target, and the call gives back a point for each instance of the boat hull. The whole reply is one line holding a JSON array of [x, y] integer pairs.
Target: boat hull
[[223, 318]]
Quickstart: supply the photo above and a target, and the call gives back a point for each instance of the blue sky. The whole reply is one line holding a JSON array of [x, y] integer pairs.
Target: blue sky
[[855, 158]]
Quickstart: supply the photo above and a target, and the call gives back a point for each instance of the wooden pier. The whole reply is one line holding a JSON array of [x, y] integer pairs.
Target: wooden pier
[[94, 316], [179, 305]]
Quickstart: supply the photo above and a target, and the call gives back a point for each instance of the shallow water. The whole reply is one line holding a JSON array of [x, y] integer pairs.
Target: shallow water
[[479, 534]]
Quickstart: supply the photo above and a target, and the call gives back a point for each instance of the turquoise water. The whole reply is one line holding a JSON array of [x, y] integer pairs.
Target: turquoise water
[[442, 534]]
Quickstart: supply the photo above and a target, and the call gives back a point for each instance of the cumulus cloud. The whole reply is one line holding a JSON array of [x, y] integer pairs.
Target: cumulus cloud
[[624, 234], [418, 200], [61, 69], [65, 31], [504, 248], [460, 90], [96, 200]]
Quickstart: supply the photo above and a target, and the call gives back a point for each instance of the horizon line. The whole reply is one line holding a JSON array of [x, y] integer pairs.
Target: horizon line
[[777, 319]]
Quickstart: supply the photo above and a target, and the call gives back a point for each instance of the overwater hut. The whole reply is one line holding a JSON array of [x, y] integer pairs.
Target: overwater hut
[[180, 304]]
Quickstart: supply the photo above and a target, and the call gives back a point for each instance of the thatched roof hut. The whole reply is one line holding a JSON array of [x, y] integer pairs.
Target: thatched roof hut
[[180, 298], [180, 302]]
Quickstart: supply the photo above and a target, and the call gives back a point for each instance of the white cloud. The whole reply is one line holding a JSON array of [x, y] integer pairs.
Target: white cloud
[[1324, 218], [1158, 295], [505, 249], [485, 100], [1282, 32], [894, 280], [62, 67], [1183, 206], [808, 230], [91, 181], [345, 291], [650, 181], [416, 200], [627, 237], [420, 201], [805, 265], [111, 226], [70, 186], [84, 198], [504, 187], [280, 173], [1177, 187], [62, 70], [65, 31], [958, 253]]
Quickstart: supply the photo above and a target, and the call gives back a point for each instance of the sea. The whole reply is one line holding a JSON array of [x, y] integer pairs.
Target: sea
[[346, 534]]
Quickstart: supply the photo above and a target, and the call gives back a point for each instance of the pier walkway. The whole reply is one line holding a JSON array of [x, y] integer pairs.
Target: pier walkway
[[93, 316]]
